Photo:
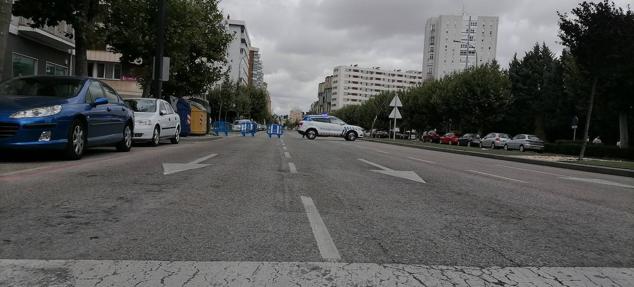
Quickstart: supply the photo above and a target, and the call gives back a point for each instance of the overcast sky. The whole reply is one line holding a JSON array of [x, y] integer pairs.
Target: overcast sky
[[301, 41]]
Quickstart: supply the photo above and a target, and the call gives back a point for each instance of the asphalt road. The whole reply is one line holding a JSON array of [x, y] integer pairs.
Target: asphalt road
[[294, 200]]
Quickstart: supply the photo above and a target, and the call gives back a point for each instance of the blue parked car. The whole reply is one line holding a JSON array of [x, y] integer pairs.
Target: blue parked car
[[63, 113]]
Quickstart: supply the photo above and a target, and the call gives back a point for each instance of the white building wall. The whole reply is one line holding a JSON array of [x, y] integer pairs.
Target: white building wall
[[238, 52], [354, 85], [453, 43]]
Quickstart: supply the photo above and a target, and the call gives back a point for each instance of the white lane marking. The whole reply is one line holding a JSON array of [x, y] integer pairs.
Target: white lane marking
[[374, 164], [525, 169], [292, 167], [598, 181], [422, 160], [380, 151], [204, 158], [326, 246], [284, 147], [496, 176], [282, 141], [287, 155], [219, 273]]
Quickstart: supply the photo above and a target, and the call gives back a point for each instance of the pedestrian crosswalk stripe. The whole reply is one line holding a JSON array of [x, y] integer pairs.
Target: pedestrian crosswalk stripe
[[220, 273]]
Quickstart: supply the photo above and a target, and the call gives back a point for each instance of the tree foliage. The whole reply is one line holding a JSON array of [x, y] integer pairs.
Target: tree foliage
[[196, 41], [230, 101]]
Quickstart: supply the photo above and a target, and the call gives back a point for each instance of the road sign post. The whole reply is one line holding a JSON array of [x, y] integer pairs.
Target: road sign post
[[395, 114], [573, 125]]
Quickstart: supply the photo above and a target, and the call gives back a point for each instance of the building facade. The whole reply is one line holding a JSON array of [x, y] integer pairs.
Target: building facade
[[256, 73], [353, 85], [238, 52], [37, 51], [107, 67], [295, 116], [454, 43]]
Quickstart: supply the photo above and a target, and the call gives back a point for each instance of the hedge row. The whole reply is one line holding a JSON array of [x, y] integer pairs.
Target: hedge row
[[592, 150]]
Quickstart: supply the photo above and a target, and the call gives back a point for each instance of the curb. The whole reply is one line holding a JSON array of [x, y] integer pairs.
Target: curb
[[588, 168]]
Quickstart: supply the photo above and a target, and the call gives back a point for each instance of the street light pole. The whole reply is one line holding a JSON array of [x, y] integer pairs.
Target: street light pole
[[160, 50]]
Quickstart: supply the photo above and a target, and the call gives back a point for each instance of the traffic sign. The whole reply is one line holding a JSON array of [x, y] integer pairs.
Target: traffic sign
[[395, 114], [396, 102]]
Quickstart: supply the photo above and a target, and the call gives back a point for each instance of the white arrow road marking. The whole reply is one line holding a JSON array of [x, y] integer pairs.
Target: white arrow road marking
[[395, 173], [599, 181], [171, 168], [496, 176], [326, 246]]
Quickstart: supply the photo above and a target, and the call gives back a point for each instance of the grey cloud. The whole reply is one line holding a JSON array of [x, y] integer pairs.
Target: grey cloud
[[303, 40]]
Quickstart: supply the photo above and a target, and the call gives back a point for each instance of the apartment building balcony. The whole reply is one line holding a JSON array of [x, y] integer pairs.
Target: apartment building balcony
[[58, 37]]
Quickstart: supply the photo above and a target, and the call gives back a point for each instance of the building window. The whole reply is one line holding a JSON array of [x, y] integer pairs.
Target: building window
[[110, 71], [55, 69], [24, 65], [117, 71]]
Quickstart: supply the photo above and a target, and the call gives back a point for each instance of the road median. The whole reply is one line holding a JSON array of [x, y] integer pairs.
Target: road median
[[511, 156]]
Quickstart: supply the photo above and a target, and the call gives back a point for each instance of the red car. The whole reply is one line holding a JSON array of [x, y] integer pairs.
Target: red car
[[430, 136], [449, 138]]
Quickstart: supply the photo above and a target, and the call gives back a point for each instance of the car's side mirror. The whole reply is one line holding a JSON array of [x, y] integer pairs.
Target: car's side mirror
[[100, 101], [162, 113]]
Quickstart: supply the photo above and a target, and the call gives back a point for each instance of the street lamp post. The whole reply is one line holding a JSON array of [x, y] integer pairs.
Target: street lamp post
[[160, 49]]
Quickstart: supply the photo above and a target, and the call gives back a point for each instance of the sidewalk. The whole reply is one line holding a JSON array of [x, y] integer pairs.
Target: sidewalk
[[200, 138], [590, 165]]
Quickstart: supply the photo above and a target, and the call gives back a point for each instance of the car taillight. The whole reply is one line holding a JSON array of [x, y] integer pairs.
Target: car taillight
[[301, 123]]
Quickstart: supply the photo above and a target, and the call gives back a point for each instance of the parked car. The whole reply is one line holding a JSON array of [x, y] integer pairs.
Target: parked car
[[523, 142], [380, 134], [328, 126], [494, 140], [469, 140], [154, 120], [63, 113], [431, 136], [449, 138]]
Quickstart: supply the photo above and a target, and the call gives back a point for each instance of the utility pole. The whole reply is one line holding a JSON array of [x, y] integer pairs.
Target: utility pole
[[160, 50], [466, 64], [5, 22]]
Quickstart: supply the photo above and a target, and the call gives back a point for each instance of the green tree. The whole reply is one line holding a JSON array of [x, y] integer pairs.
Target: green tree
[[196, 42], [535, 83], [81, 14], [594, 36]]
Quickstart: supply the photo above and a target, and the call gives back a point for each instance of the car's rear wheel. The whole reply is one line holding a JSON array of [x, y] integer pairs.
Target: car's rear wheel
[[76, 141], [156, 136], [126, 143], [311, 134], [522, 148], [351, 136], [177, 137]]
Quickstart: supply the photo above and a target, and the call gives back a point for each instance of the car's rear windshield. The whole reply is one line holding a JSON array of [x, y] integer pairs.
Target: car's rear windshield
[[533, 138], [142, 105], [41, 86]]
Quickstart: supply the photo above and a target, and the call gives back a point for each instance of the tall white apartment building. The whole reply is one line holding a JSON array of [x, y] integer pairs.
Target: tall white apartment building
[[238, 51], [453, 43], [352, 85]]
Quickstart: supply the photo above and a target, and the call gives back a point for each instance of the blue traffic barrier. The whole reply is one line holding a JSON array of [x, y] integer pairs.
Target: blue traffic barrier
[[248, 128], [221, 127], [275, 130]]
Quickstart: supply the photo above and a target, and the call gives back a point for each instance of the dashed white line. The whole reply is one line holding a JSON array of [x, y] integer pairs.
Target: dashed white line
[[525, 169], [422, 160], [284, 147], [287, 155], [292, 167], [326, 246], [598, 181], [496, 176]]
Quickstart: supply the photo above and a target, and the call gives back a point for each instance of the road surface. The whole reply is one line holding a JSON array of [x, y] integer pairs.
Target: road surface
[[259, 211]]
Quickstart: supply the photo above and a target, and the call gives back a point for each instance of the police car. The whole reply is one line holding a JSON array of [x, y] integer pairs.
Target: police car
[[328, 126]]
